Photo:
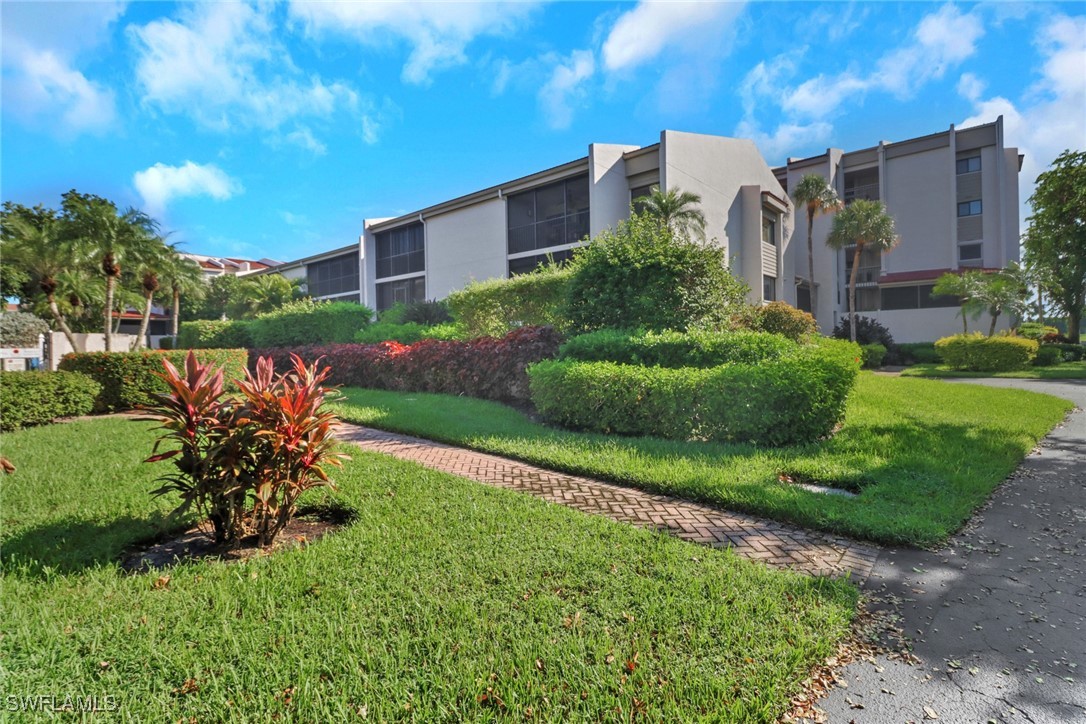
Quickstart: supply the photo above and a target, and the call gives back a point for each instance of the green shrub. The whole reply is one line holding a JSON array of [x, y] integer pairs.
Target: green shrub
[[214, 334], [792, 399], [129, 379], [165, 343], [496, 306], [919, 353], [986, 354], [1036, 330], [640, 276], [784, 319], [406, 332], [428, 313], [20, 329], [309, 322], [1048, 355], [873, 355], [38, 398], [676, 349], [1071, 352]]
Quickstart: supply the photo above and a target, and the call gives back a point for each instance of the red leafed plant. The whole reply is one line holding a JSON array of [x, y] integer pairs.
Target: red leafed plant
[[244, 462]]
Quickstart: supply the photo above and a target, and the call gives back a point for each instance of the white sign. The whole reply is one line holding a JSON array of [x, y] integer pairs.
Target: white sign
[[20, 352]]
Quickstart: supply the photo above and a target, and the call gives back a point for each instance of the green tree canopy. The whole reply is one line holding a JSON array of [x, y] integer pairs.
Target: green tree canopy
[[864, 225], [675, 210]]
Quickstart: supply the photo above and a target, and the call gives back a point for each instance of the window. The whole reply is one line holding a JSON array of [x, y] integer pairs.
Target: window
[[969, 208], [641, 192], [769, 230], [552, 215], [525, 264], [914, 297], [401, 251], [968, 165], [803, 297], [929, 300], [769, 289], [970, 255], [404, 291], [337, 275]]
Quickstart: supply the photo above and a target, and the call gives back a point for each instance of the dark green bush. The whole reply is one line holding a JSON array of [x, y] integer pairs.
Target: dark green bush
[[1048, 355], [497, 306], [165, 343], [676, 349], [784, 319], [214, 334], [1071, 352], [405, 333], [986, 354], [20, 329], [128, 379], [309, 322], [873, 355], [919, 353], [640, 276], [792, 399], [868, 331], [38, 398], [427, 312]]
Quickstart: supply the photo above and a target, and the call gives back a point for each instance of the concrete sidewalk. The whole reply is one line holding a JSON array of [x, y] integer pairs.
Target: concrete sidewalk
[[998, 618]]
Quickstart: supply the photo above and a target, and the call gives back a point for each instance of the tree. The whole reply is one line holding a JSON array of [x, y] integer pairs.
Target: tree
[[964, 286], [35, 242], [675, 210], [865, 225], [151, 265], [182, 277], [1055, 241], [1006, 291], [817, 197], [261, 293], [111, 238]]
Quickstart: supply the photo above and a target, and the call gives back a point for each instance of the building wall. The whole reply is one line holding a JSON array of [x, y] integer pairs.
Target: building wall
[[928, 325], [911, 183], [608, 188], [465, 245]]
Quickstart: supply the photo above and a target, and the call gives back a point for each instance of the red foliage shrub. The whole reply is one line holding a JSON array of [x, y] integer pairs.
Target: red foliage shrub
[[490, 368]]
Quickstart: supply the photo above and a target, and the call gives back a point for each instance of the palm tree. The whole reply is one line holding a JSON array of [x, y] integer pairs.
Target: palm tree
[[675, 210], [111, 239], [151, 266], [865, 225], [814, 193], [263, 293], [964, 286], [183, 278], [34, 241], [1005, 291]]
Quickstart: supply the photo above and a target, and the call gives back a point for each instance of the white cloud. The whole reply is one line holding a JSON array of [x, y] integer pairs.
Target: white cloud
[[641, 34], [970, 86], [41, 46], [786, 139], [222, 64], [565, 87], [942, 40], [438, 32], [1049, 118], [160, 184]]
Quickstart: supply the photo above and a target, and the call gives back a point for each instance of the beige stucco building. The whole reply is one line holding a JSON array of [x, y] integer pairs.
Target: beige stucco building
[[953, 195]]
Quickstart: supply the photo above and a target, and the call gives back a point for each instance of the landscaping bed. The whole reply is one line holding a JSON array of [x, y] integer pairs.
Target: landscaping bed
[[442, 600], [922, 455]]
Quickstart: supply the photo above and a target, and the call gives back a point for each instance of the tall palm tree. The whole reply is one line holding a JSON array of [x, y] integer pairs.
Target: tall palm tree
[[34, 241], [865, 225], [151, 266], [112, 239], [183, 278], [674, 209], [818, 197]]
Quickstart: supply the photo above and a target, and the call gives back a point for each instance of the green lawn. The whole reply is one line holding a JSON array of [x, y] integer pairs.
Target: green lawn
[[444, 600], [1063, 371], [922, 454]]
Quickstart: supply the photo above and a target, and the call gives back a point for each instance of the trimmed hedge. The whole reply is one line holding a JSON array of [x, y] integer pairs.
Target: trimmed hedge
[[496, 306], [405, 332], [128, 379], [784, 319], [1047, 356], [789, 400], [486, 367], [214, 334], [919, 353], [38, 398], [1071, 352], [309, 322], [676, 349], [873, 355], [986, 354]]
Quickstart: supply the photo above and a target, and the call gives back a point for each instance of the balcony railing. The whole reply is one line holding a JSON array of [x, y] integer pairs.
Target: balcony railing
[[866, 276], [867, 191]]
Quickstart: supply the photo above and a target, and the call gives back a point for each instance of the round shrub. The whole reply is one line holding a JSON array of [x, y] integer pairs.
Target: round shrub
[[640, 276], [676, 349], [427, 313], [1048, 355], [784, 319], [38, 398], [986, 354], [918, 353], [868, 331], [21, 329], [873, 355]]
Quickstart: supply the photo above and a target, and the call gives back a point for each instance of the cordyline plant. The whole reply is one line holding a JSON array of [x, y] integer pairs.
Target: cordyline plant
[[244, 462]]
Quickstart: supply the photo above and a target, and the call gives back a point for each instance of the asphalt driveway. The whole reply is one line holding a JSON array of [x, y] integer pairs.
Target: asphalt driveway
[[997, 618]]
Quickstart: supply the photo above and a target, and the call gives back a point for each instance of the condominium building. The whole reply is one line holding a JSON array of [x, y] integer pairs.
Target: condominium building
[[953, 195]]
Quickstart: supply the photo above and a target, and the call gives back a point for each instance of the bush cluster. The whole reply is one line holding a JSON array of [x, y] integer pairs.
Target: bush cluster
[[1048, 355], [792, 399], [676, 349], [873, 355], [38, 398], [214, 334], [784, 319], [309, 322], [918, 353], [868, 331], [131, 379], [406, 332], [21, 329], [986, 354], [497, 306], [1070, 352], [487, 367]]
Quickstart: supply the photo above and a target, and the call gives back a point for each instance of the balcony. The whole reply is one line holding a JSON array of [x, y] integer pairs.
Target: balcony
[[870, 192], [866, 276]]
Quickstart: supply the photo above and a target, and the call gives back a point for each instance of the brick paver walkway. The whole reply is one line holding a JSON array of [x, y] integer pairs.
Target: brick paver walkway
[[755, 538]]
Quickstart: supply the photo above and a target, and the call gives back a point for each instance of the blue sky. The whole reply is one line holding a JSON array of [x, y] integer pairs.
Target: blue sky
[[274, 129]]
